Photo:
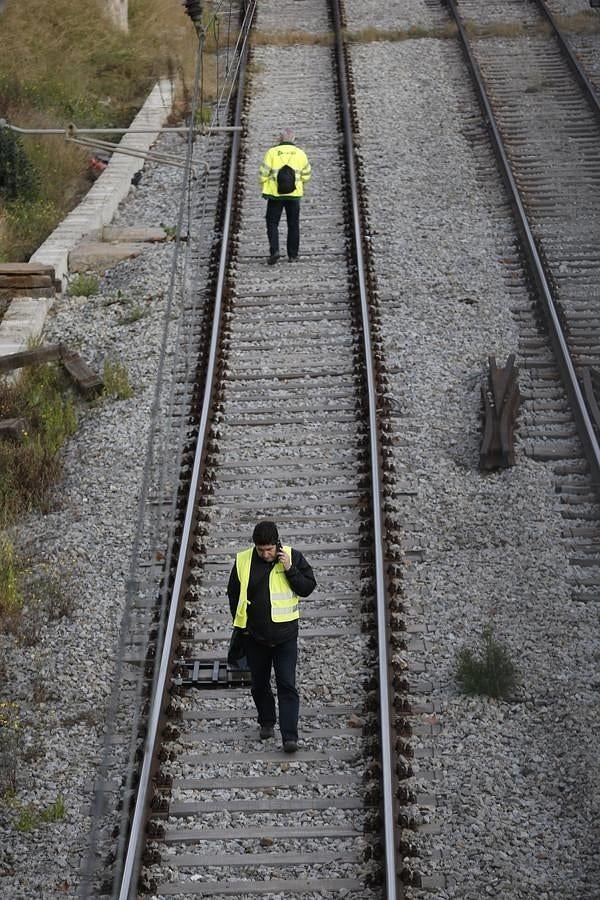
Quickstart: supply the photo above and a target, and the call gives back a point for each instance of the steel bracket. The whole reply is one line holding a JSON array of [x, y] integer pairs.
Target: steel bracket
[[202, 673]]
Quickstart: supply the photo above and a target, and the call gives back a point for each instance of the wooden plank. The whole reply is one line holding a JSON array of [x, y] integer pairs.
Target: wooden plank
[[25, 281], [86, 379], [26, 268], [30, 357]]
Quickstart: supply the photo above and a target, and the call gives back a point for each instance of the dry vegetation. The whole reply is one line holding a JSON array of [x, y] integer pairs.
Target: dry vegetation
[[63, 62]]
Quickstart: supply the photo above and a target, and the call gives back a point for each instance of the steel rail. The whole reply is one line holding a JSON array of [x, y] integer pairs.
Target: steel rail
[[565, 363], [391, 839], [567, 50], [128, 886]]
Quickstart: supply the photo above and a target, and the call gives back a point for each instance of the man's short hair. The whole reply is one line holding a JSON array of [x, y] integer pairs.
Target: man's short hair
[[265, 533], [287, 136]]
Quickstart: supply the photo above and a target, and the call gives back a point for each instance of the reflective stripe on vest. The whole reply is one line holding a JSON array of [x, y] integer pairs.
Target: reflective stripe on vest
[[284, 602]]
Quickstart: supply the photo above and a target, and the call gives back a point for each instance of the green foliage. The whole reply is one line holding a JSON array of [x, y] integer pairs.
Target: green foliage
[[28, 223], [82, 70], [204, 115], [116, 380], [84, 285], [133, 315], [48, 405], [169, 230], [55, 812], [11, 731], [11, 586], [492, 672], [18, 178], [28, 470], [30, 818]]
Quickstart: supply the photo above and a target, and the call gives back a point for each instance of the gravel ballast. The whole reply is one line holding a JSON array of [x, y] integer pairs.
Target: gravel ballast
[[515, 782]]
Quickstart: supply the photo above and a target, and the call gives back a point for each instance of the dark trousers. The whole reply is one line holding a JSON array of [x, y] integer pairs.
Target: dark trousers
[[275, 206], [282, 658]]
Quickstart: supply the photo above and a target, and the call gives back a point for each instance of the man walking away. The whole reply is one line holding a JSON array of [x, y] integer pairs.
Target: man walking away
[[283, 173], [264, 588]]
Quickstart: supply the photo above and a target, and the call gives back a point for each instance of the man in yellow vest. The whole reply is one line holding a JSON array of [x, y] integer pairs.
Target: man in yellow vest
[[264, 588], [283, 173]]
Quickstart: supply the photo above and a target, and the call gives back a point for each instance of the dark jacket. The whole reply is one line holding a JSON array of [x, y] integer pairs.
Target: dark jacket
[[260, 625]]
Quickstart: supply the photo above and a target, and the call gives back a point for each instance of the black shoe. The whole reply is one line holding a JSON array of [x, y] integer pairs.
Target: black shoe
[[266, 732], [293, 258], [274, 257], [290, 746]]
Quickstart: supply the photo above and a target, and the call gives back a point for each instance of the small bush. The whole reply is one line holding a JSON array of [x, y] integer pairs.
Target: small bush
[[28, 820], [134, 315], [18, 177], [29, 470], [47, 588], [84, 286], [116, 380], [55, 812], [11, 584], [10, 746], [491, 673]]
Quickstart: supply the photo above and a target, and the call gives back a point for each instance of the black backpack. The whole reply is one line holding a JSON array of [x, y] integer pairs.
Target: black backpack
[[286, 180]]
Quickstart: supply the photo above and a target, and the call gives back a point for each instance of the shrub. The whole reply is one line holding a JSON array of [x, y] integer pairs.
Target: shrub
[[55, 812], [84, 285], [491, 673], [10, 745], [29, 470], [116, 380], [30, 818], [11, 586], [17, 176]]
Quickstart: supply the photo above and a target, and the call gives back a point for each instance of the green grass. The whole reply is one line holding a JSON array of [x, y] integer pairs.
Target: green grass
[[29, 470], [84, 285], [491, 672], [63, 62], [116, 380], [30, 818], [11, 586]]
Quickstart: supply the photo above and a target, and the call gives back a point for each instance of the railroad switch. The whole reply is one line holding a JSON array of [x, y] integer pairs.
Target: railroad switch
[[200, 673]]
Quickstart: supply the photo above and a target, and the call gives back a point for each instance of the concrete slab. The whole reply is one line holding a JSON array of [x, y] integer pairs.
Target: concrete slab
[[22, 323], [98, 256], [133, 234]]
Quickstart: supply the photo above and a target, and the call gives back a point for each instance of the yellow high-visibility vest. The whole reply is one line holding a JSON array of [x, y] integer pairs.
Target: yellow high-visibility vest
[[284, 602], [274, 159]]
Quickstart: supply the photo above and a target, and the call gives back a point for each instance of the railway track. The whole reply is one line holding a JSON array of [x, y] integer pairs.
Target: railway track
[[547, 115], [292, 428], [289, 437]]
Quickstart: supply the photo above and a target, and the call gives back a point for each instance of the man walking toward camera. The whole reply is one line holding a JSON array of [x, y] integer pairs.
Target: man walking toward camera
[[264, 588], [283, 173]]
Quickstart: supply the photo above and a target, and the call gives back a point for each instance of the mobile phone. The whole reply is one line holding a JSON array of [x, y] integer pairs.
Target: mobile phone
[[279, 547]]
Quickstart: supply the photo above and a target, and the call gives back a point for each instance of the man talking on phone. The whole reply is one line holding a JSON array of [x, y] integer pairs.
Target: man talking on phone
[[264, 588]]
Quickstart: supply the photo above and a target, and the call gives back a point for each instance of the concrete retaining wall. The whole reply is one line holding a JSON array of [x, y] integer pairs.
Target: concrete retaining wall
[[100, 203]]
